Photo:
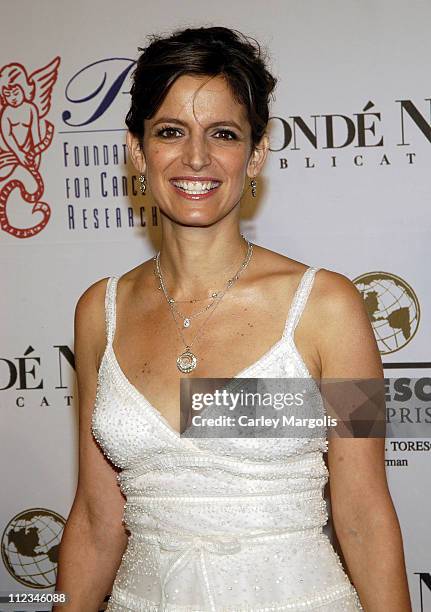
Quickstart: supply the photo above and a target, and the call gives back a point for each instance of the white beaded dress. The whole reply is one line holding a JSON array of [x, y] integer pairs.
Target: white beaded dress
[[218, 524]]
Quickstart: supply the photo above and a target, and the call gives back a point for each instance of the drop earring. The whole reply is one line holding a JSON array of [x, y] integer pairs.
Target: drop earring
[[143, 184], [253, 186]]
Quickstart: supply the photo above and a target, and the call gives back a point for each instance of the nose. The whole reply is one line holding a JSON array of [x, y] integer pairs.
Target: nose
[[196, 153]]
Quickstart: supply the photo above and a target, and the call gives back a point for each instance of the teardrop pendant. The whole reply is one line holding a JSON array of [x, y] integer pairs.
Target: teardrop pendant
[[186, 322]]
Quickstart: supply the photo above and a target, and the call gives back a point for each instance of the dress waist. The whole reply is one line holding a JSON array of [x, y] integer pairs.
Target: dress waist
[[238, 514], [220, 543], [186, 475]]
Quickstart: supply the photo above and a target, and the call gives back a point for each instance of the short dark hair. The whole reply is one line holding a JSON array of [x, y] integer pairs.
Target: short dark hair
[[205, 51]]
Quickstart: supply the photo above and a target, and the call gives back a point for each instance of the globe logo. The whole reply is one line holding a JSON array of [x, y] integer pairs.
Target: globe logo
[[393, 309], [29, 547]]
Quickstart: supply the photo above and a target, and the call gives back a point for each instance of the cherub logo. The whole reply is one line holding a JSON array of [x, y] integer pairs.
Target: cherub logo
[[24, 102]]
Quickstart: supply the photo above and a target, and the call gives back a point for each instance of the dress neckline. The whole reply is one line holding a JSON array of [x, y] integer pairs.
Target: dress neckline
[[133, 391]]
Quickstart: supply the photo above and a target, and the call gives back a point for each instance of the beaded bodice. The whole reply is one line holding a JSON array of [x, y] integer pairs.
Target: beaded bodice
[[206, 515]]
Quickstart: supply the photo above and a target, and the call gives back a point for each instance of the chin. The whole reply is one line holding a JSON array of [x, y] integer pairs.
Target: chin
[[196, 220], [194, 216]]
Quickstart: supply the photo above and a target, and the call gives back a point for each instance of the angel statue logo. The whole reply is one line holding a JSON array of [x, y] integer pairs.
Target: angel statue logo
[[24, 135]]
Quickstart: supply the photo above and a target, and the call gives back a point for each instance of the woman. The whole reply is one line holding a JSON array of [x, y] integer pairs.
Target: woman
[[220, 523]]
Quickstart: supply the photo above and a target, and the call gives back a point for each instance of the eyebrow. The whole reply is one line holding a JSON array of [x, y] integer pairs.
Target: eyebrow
[[229, 123]]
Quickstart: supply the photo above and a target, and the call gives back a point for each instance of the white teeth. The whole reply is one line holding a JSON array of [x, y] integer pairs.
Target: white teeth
[[196, 187]]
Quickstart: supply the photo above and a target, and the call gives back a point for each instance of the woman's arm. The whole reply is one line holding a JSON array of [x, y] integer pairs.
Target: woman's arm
[[94, 538], [364, 517]]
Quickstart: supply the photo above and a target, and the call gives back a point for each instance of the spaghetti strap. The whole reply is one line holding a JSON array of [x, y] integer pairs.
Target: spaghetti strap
[[110, 308], [299, 300]]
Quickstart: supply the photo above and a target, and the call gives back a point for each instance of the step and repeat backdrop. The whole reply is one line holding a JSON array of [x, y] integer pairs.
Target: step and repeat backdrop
[[346, 187]]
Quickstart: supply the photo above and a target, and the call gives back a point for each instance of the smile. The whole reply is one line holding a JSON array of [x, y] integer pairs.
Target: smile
[[195, 189]]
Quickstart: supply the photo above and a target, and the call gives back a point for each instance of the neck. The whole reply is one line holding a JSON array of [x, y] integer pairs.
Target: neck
[[197, 261]]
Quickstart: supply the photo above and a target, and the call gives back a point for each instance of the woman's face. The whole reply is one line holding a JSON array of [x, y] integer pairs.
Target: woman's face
[[13, 95], [197, 151]]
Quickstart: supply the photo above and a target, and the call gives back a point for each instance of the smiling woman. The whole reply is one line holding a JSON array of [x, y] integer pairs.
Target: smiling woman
[[218, 523], [211, 133]]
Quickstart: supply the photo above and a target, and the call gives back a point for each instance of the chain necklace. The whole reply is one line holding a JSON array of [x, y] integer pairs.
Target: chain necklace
[[187, 319], [187, 360]]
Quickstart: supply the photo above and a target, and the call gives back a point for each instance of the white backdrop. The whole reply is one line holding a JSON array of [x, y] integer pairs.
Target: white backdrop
[[355, 200]]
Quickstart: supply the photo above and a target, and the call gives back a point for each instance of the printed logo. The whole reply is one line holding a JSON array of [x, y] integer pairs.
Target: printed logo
[[424, 589], [24, 102], [29, 547], [393, 308]]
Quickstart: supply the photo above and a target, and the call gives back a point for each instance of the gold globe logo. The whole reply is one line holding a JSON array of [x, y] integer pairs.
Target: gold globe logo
[[393, 309], [29, 547]]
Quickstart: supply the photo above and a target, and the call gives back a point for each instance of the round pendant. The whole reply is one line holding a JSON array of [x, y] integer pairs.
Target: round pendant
[[186, 362], [186, 323]]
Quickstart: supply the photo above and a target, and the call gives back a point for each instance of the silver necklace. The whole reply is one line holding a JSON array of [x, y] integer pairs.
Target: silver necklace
[[187, 319], [187, 360]]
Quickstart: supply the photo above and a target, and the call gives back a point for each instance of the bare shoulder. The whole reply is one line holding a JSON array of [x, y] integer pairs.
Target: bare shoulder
[[335, 330], [329, 288], [335, 301], [90, 307], [338, 301], [137, 279], [272, 263], [344, 333], [90, 298], [90, 317], [334, 297], [89, 322], [336, 292]]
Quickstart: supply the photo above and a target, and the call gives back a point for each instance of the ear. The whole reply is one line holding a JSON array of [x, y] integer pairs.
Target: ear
[[136, 153], [258, 157]]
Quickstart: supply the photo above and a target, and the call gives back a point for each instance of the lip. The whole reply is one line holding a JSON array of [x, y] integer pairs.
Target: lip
[[201, 179], [195, 178]]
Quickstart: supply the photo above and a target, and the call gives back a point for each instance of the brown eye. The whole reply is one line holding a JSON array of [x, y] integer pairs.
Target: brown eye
[[225, 135], [169, 132]]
